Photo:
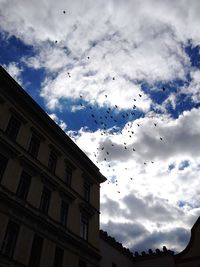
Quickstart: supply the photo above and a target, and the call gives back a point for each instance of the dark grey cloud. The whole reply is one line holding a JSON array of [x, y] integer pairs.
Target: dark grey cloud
[[175, 239], [140, 239], [125, 232], [111, 207]]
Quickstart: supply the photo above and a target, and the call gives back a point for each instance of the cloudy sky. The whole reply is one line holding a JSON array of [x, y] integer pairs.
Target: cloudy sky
[[122, 79]]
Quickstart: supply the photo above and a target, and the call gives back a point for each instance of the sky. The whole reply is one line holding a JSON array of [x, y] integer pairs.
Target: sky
[[121, 78]]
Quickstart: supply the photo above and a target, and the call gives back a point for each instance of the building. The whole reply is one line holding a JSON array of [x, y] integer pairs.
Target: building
[[49, 189], [115, 255]]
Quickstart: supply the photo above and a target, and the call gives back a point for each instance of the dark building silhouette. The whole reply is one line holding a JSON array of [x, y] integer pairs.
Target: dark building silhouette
[[49, 189]]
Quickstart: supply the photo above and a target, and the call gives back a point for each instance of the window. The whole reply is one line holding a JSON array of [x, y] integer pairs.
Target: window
[[58, 258], [84, 226], [34, 146], [10, 239], [68, 175], [36, 251], [64, 213], [82, 263], [3, 164], [24, 185], [45, 200], [87, 191], [13, 128], [52, 162]]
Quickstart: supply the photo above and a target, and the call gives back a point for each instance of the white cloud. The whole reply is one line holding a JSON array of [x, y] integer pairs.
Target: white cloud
[[149, 195]]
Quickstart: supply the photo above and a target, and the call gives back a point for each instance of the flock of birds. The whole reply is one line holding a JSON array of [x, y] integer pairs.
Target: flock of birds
[[109, 119], [104, 121]]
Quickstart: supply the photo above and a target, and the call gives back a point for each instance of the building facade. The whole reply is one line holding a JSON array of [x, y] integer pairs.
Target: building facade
[[49, 189], [115, 255]]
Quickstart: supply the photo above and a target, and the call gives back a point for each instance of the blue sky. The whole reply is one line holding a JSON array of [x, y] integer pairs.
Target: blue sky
[[121, 78]]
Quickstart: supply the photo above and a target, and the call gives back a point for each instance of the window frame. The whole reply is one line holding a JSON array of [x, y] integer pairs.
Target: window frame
[[82, 263], [12, 129], [45, 200], [25, 180], [64, 209], [11, 236], [84, 226], [58, 257], [3, 165], [68, 175], [36, 251], [33, 148], [52, 162], [87, 191]]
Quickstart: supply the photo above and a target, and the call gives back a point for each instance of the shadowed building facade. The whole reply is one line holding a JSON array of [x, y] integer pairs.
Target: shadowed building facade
[[49, 189]]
